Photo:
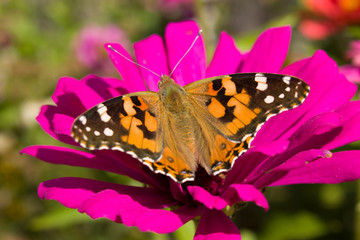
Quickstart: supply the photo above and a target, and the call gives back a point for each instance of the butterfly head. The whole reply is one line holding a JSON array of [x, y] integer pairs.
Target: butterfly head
[[168, 87]]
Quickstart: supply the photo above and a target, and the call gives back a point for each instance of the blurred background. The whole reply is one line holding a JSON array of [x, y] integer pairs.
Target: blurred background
[[43, 40]]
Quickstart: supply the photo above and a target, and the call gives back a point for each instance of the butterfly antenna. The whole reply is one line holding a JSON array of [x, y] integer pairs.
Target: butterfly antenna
[[192, 44], [114, 50]]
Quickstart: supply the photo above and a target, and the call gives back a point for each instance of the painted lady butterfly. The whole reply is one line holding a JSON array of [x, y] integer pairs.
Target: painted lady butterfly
[[209, 122]]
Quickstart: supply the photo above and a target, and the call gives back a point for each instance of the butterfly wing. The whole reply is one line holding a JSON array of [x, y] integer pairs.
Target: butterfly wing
[[238, 105], [128, 123], [133, 123]]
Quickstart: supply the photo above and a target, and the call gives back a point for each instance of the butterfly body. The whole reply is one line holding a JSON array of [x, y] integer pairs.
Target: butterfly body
[[208, 123]]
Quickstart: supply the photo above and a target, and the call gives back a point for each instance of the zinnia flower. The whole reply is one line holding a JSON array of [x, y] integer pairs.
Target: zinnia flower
[[328, 16], [291, 148]]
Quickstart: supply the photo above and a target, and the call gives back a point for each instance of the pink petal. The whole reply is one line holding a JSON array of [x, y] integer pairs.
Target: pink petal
[[178, 192], [74, 97], [72, 157], [298, 161], [178, 38], [269, 51], [215, 225], [123, 164], [317, 131], [350, 129], [247, 164], [131, 165], [46, 118], [62, 124], [106, 87], [151, 53], [234, 194], [128, 70], [314, 134], [210, 201], [227, 57], [72, 192], [244, 193], [123, 208], [340, 167]]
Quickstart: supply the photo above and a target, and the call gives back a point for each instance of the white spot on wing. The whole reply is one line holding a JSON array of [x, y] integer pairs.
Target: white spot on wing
[[102, 111], [287, 79], [103, 147], [108, 132], [269, 99], [261, 78], [282, 95], [262, 86], [105, 117], [262, 81], [96, 133], [83, 120], [117, 148]]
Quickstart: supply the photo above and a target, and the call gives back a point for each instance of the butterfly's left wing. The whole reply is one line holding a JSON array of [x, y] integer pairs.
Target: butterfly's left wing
[[128, 123], [238, 105], [132, 123]]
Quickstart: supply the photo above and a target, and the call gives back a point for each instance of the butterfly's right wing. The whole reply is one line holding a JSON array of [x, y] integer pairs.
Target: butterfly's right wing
[[236, 106]]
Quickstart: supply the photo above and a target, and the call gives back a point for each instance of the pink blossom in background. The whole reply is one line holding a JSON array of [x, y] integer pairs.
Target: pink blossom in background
[[293, 147], [89, 46], [326, 17], [352, 71]]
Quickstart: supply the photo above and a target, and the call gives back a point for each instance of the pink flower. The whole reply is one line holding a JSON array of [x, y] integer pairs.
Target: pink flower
[[291, 148], [89, 45], [328, 16], [352, 71]]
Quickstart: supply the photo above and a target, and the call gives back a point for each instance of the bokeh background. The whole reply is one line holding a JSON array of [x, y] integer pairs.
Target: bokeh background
[[43, 40]]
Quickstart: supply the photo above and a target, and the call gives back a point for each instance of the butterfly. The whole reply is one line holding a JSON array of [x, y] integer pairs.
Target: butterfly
[[207, 123]]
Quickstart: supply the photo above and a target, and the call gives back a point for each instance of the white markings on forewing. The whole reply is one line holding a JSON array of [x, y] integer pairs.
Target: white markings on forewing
[[261, 86], [269, 99], [102, 111], [262, 82], [287, 79], [83, 120]]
